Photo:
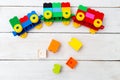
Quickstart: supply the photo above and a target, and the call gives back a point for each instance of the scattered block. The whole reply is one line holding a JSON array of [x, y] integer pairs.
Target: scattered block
[[42, 53], [54, 46], [57, 68], [72, 63], [75, 44]]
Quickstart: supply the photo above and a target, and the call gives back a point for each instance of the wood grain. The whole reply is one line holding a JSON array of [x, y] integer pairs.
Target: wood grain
[[36, 70]]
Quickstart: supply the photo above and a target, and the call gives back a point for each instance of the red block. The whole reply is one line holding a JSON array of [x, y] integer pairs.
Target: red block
[[65, 4], [24, 19]]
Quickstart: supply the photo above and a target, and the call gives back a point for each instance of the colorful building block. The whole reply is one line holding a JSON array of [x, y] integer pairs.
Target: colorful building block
[[72, 63], [54, 46], [88, 17], [75, 44], [42, 54], [57, 69]]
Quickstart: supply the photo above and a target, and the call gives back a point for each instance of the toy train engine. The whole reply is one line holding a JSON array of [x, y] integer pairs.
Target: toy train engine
[[89, 18], [23, 25], [56, 12]]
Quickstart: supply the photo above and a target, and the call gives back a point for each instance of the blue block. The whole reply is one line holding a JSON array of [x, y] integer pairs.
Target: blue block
[[26, 23], [57, 10], [45, 9]]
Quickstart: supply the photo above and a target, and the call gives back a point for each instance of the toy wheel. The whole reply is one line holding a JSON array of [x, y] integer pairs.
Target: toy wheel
[[66, 14], [48, 23], [39, 26], [66, 22], [76, 25], [48, 14], [24, 35], [34, 18], [92, 31], [80, 16], [18, 28], [97, 23]]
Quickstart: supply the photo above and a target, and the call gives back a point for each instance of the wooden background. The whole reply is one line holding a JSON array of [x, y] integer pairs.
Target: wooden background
[[99, 59]]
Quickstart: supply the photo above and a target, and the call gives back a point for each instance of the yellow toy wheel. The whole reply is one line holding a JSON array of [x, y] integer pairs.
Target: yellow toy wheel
[[48, 14], [66, 14], [18, 28], [24, 35], [97, 23], [76, 25], [66, 22], [34, 18], [48, 23], [80, 16], [39, 26]]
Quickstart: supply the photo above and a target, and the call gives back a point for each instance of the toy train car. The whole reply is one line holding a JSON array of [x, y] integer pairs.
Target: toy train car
[[88, 17], [23, 25], [56, 12]]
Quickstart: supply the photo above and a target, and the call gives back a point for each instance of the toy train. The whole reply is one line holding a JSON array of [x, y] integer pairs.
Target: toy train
[[55, 12], [23, 25], [88, 17]]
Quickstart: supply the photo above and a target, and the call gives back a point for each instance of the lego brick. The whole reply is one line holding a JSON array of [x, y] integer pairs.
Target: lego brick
[[42, 54], [22, 20], [13, 21], [90, 15], [56, 5], [83, 8], [57, 14], [26, 23], [57, 69], [66, 9], [75, 44], [50, 9], [71, 63], [65, 4], [54, 46], [57, 10], [47, 5]]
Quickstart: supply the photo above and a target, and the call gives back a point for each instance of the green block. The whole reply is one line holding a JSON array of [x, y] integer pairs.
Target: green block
[[13, 21], [56, 5], [57, 68], [57, 14], [83, 8]]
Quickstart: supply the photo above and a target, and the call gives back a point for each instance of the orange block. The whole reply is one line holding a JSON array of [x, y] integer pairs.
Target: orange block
[[72, 62], [54, 46]]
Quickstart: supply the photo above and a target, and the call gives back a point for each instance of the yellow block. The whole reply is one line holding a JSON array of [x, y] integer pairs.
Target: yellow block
[[75, 44], [66, 9]]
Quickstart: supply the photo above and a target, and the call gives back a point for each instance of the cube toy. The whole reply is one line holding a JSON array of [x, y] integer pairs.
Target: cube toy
[[54, 46], [72, 63], [42, 53], [57, 68], [75, 44]]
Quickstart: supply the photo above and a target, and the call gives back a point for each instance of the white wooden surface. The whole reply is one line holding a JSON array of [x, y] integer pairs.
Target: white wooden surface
[[99, 59]]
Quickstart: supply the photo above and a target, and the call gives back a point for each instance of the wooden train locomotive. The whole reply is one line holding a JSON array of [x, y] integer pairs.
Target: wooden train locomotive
[[56, 12], [88, 17], [23, 25]]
